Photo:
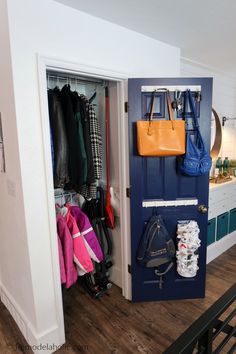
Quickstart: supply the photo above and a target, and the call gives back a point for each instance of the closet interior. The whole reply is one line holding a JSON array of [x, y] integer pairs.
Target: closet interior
[[83, 119]]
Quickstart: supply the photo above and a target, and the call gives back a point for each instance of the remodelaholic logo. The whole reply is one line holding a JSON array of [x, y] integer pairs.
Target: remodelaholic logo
[[51, 347]]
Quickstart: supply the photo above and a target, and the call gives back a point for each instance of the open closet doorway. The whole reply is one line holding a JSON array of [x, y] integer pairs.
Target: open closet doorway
[[91, 83]]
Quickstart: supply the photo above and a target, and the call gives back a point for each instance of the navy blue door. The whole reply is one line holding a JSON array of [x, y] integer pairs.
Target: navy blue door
[[158, 179]]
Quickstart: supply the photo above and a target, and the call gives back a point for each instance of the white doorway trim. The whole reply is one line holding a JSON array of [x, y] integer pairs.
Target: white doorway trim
[[44, 64]]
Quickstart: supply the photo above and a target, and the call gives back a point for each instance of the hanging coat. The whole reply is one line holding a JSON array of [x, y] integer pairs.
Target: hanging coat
[[87, 231], [77, 174], [81, 255], [59, 138], [68, 251], [90, 190], [61, 261], [96, 142], [87, 139], [52, 150]]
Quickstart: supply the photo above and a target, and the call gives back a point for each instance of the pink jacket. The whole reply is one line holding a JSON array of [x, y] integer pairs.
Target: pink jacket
[[81, 255], [67, 252], [86, 229], [61, 261]]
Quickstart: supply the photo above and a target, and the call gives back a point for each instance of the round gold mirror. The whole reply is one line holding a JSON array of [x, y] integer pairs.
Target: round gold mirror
[[216, 135]]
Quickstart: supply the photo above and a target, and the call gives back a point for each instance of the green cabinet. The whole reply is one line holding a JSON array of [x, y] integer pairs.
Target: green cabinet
[[232, 220], [222, 225], [211, 231]]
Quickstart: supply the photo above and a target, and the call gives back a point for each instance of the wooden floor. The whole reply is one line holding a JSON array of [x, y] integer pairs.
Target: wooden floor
[[113, 325]]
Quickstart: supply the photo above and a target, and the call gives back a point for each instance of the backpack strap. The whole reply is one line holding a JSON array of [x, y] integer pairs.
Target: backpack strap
[[160, 274], [155, 211], [156, 271]]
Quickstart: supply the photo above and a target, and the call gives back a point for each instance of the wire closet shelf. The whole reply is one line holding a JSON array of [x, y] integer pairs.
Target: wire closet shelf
[[68, 78]]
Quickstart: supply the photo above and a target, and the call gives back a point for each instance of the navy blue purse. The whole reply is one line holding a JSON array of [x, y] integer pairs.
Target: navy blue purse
[[196, 161]]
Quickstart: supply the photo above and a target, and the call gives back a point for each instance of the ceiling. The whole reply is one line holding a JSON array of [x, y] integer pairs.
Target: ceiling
[[204, 30]]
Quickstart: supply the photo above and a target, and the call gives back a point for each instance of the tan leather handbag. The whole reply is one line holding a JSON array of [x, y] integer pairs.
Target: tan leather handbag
[[165, 137]]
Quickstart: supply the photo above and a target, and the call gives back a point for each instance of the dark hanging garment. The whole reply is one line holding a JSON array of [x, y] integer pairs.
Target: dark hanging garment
[[90, 191], [77, 175], [60, 144], [96, 142], [87, 139], [81, 145], [52, 149]]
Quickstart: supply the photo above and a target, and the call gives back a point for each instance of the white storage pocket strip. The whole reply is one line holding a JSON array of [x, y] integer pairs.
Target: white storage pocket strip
[[188, 244]]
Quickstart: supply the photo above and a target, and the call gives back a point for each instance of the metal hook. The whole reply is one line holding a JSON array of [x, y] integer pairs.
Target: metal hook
[[224, 119]]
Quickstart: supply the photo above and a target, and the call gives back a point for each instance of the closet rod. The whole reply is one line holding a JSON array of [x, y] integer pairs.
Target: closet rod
[[83, 79], [70, 194]]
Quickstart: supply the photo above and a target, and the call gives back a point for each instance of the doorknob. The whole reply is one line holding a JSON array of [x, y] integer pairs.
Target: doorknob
[[202, 209]]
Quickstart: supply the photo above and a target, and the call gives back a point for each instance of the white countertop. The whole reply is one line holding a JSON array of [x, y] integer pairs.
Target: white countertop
[[219, 185]]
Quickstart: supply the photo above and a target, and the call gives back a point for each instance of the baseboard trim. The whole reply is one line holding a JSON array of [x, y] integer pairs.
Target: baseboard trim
[[219, 247], [116, 276], [45, 342]]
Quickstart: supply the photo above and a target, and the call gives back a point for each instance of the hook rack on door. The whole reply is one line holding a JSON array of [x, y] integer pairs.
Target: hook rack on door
[[169, 203], [171, 88]]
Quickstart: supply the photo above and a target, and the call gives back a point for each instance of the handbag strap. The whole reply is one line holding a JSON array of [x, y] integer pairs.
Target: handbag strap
[[199, 143], [152, 107], [169, 106], [170, 110], [189, 98]]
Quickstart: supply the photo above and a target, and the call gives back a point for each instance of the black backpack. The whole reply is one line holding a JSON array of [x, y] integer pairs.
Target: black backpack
[[156, 247]]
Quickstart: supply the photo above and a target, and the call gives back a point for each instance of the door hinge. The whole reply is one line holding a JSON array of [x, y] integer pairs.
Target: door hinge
[[128, 192], [129, 269], [126, 107]]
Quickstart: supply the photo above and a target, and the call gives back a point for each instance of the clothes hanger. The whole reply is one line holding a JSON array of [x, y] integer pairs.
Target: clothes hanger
[[92, 97]]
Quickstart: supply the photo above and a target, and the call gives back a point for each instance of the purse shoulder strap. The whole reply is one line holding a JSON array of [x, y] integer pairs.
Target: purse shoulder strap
[[189, 98], [170, 110], [152, 107], [199, 143]]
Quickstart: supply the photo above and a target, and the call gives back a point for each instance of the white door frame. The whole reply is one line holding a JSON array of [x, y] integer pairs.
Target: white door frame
[[46, 63]]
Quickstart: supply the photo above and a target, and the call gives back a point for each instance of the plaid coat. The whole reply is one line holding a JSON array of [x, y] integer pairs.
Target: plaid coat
[[90, 190]]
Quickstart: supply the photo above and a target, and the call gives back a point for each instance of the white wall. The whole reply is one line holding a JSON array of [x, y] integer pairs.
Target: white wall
[[16, 283], [51, 29], [224, 101]]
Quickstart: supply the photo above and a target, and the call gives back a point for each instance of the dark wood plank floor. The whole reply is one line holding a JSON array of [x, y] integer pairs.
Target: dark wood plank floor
[[113, 325]]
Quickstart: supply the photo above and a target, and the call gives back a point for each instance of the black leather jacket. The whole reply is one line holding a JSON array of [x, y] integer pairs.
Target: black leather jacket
[[60, 143]]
